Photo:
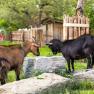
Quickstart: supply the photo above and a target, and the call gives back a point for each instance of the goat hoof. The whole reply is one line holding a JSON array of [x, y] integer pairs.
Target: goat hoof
[[72, 71], [69, 72], [2, 83]]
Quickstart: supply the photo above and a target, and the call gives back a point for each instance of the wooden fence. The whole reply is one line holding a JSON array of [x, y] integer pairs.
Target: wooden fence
[[74, 27], [27, 34], [71, 28], [17, 36]]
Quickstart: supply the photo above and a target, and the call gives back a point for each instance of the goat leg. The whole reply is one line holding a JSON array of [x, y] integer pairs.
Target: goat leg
[[92, 61], [17, 71], [89, 62], [3, 82], [68, 63], [72, 64]]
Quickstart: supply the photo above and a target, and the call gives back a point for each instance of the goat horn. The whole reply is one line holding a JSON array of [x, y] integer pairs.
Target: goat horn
[[49, 43], [33, 39]]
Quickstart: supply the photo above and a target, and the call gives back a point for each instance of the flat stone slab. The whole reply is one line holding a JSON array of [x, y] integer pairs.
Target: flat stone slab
[[47, 82]]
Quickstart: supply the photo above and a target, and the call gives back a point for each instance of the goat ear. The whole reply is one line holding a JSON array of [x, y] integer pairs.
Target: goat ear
[[49, 43]]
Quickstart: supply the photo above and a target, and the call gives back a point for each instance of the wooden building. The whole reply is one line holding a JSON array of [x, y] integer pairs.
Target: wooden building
[[52, 29]]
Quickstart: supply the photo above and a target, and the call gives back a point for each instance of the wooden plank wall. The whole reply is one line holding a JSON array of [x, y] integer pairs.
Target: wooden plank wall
[[53, 31], [74, 27], [58, 30]]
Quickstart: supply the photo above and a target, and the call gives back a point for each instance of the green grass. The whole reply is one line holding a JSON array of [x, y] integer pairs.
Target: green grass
[[86, 92], [7, 43], [73, 88], [79, 65], [82, 87], [78, 92], [12, 77], [44, 51]]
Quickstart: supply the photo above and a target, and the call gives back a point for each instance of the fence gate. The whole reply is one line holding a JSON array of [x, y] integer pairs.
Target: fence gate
[[74, 27]]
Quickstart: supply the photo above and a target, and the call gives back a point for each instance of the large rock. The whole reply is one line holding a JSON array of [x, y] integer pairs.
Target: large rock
[[47, 82], [49, 64], [44, 64], [84, 75]]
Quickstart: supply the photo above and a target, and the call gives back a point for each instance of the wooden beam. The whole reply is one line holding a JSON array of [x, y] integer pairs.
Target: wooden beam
[[75, 25]]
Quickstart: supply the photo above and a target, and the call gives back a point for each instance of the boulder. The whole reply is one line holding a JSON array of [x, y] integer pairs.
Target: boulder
[[49, 64], [44, 64], [42, 84], [84, 75]]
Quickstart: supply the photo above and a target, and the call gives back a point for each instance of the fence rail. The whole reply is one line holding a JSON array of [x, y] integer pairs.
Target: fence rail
[[75, 25]]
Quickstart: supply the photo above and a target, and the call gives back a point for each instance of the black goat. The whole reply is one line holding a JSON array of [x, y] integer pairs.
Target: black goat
[[79, 48]]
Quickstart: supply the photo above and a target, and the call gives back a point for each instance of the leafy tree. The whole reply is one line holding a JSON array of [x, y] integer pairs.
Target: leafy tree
[[22, 13]]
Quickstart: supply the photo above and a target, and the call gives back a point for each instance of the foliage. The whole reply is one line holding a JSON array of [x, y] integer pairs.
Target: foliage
[[89, 11], [82, 87], [16, 14]]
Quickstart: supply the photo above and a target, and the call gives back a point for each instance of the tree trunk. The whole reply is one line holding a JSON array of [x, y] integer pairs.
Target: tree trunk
[[79, 8]]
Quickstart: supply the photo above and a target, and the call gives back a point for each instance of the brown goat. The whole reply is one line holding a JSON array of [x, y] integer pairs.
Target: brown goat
[[11, 58]]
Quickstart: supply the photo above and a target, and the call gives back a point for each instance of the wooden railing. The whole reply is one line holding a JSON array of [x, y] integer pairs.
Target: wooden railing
[[74, 27]]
